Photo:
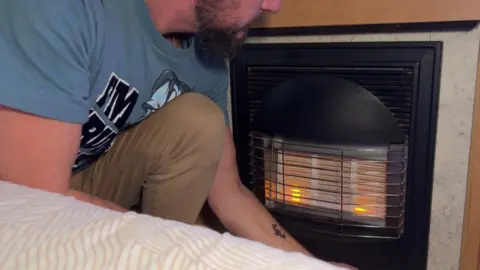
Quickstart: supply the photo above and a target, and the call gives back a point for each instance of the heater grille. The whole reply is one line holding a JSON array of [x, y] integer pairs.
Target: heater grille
[[348, 190], [405, 77], [391, 85]]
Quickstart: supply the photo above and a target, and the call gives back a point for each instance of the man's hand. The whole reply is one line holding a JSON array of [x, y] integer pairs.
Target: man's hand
[[39, 153]]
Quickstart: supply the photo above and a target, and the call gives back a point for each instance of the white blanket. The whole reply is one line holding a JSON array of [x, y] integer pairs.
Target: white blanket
[[40, 230]]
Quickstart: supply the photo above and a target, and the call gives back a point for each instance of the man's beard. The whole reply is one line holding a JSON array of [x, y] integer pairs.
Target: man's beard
[[223, 41]]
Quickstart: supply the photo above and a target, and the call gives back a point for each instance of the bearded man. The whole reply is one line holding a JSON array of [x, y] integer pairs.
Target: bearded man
[[124, 102]]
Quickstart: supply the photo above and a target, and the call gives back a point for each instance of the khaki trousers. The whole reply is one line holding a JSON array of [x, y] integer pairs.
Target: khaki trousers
[[167, 162]]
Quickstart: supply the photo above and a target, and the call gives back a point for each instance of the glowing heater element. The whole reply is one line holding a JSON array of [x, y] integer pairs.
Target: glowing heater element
[[360, 210], [317, 181]]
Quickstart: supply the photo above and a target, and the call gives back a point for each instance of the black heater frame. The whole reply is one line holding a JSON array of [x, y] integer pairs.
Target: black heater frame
[[425, 58]]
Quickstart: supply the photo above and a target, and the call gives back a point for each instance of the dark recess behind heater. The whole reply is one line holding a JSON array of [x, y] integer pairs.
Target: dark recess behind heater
[[393, 86]]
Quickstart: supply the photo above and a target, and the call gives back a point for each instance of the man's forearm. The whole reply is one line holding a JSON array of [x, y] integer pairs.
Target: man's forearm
[[239, 210], [81, 196], [251, 220]]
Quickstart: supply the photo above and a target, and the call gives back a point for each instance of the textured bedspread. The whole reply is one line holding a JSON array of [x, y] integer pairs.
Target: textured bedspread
[[39, 230]]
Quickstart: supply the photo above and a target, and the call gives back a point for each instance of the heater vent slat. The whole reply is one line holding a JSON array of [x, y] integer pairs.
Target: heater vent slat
[[353, 186], [393, 86]]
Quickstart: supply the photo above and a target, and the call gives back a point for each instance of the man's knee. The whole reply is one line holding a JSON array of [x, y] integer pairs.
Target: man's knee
[[190, 142], [200, 112], [198, 118]]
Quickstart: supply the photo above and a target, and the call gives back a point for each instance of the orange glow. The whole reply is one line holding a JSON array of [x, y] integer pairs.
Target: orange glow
[[360, 210]]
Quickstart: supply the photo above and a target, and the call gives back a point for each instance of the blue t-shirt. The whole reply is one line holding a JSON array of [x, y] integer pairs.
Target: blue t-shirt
[[100, 63]]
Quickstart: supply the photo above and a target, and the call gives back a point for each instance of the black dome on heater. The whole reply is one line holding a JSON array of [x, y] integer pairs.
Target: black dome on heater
[[326, 110]]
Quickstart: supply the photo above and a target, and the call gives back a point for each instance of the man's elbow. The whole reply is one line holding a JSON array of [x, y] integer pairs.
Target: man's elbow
[[42, 160]]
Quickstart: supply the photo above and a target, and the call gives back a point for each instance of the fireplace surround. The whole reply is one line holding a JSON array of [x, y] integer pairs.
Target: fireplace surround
[[404, 77]]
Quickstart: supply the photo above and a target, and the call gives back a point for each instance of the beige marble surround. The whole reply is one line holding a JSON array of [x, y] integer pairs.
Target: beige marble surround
[[453, 136]]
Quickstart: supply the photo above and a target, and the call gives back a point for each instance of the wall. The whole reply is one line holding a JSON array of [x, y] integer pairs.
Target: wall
[[453, 134], [303, 13]]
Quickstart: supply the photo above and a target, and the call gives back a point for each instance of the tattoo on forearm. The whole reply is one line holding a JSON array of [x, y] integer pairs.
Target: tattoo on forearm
[[278, 231]]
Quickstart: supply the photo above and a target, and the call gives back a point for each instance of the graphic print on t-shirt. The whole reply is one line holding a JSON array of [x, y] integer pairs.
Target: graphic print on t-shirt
[[166, 88], [114, 106], [116, 103]]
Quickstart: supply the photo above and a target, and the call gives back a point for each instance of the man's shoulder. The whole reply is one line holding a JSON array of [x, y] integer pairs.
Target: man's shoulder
[[37, 8], [50, 26], [46, 47], [52, 13]]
